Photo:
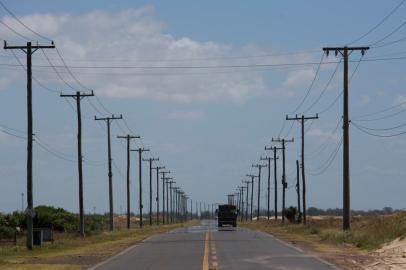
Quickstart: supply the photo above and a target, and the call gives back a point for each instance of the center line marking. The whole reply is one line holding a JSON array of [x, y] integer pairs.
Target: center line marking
[[206, 252]]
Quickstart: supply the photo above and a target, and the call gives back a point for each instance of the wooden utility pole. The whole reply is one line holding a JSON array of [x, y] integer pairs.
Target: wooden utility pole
[[78, 97], [345, 52], [170, 216], [275, 173], [302, 120], [128, 138], [163, 194], [157, 168], [246, 199], [259, 166], [29, 49], [167, 199], [110, 173], [269, 184], [298, 188], [252, 192], [284, 183], [140, 151], [150, 160]]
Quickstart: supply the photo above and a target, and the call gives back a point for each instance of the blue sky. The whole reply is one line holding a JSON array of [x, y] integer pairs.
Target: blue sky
[[207, 125]]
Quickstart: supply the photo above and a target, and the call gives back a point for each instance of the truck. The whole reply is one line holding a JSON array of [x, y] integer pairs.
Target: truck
[[227, 215]]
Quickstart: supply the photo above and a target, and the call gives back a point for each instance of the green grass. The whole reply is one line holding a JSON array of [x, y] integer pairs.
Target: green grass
[[367, 232], [101, 245]]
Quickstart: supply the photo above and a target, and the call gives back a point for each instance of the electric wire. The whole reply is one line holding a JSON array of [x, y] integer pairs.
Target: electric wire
[[327, 163], [381, 111], [56, 71], [12, 134], [324, 89], [310, 86], [24, 25], [363, 129], [388, 35], [342, 91], [379, 23]]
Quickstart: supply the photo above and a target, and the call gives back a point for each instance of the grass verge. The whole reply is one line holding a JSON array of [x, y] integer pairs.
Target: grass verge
[[70, 251], [367, 232]]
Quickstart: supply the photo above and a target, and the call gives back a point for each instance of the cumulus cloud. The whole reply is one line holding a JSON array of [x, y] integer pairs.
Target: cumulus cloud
[[320, 134], [127, 55]]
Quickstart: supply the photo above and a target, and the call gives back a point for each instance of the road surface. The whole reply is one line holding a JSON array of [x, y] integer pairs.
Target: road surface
[[205, 247]]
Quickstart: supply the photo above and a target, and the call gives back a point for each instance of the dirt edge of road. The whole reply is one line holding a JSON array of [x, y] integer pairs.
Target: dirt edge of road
[[81, 254], [344, 256]]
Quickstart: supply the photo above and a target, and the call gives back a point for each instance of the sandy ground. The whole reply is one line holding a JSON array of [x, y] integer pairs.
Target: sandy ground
[[390, 257]]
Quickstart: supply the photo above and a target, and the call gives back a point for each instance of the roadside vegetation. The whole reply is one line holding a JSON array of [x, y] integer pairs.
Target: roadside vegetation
[[69, 250], [368, 231]]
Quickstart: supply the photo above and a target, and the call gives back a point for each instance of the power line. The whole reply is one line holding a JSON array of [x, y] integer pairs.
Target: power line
[[25, 26], [326, 142], [324, 89], [327, 163], [382, 117], [56, 71], [14, 31], [382, 129], [379, 23], [362, 129], [310, 86], [388, 35], [14, 135], [390, 43], [341, 93], [381, 111]]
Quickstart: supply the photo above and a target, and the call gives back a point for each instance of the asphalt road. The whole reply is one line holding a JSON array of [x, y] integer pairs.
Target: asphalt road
[[205, 247]]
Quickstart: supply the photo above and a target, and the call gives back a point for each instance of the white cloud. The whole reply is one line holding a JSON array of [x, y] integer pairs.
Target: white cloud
[[135, 37], [318, 133]]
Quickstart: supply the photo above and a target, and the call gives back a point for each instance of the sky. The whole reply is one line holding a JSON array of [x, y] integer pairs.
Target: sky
[[206, 86]]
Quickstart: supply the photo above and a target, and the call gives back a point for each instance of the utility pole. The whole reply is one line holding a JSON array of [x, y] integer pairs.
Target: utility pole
[[269, 182], [259, 166], [29, 49], [191, 208], [78, 97], [150, 160], [110, 174], [284, 183], [239, 201], [298, 188], [275, 172], [157, 168], [163, 194], [170, 216], [302, 120], [174, 204], [167, 199], [22, 202], [197, 211], [252, 191], [345, 52], [140, 151], [128, 138], [246, 199]]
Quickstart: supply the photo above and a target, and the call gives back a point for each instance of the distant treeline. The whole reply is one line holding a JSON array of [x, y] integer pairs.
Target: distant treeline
[[49, 217], [313, 211]]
